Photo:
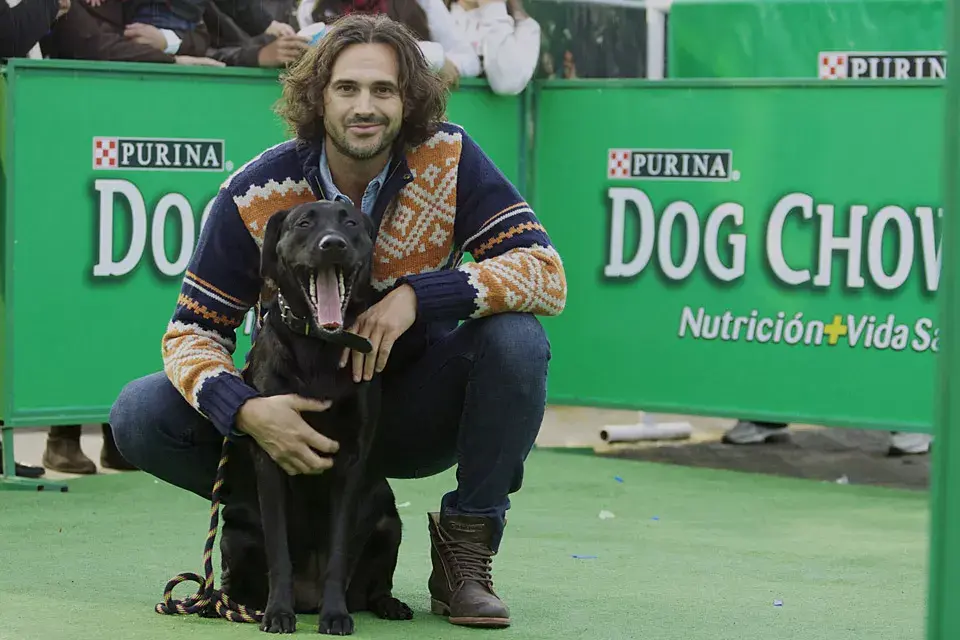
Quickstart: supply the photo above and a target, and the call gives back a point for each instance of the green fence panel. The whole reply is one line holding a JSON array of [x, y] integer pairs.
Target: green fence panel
[[786, 38], [94, 252], [3, 244], [943, 616], [695, 222]]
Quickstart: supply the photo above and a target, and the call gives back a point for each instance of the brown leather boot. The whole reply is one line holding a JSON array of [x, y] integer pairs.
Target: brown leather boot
[[63, 452], [110, 456], [461, 585]]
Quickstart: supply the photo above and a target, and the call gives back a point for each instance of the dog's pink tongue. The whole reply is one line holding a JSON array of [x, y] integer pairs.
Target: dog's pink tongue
[[328, 300]]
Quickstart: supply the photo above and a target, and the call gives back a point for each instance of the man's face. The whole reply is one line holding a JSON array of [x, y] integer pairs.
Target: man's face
[[362, 106]]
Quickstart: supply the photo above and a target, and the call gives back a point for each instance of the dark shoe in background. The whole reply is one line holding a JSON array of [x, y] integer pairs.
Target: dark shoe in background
[[110, 456], [24, 470]]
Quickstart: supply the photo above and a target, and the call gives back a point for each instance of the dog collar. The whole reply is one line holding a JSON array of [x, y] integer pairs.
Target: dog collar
[[305, 327]]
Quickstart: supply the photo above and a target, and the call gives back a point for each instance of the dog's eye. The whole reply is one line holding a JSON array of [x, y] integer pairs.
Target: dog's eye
[[304, 223], [350, 223]]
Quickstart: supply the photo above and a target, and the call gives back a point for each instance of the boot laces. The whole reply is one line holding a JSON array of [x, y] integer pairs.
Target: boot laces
[[471, 561]]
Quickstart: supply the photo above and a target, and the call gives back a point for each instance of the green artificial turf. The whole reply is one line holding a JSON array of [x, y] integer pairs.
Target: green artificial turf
[[691, 554]]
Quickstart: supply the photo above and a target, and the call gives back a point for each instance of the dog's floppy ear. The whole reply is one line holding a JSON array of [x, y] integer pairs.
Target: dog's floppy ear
[[268, 254]]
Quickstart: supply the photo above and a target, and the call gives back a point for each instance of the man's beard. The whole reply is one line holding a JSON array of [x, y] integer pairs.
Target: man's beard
[[339, 139]]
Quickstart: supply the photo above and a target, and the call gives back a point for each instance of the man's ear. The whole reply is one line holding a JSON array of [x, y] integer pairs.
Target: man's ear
[[268, 254]]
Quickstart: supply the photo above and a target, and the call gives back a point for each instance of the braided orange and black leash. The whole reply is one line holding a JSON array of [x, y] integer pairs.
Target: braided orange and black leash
[[206, 594]]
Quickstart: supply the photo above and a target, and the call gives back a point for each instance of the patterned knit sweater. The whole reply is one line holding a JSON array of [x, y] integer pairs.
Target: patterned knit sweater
[[444, 199]]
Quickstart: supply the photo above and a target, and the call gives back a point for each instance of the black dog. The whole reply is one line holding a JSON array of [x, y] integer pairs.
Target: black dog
[[329, 541]]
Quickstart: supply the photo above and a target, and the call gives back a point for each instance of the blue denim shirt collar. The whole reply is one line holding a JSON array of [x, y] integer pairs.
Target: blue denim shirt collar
[[370, 194]]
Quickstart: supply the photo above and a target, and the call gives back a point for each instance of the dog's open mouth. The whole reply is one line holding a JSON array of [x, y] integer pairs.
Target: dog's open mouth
[[328, 293]]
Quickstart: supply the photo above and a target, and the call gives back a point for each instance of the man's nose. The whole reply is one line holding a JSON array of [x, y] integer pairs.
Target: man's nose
[[364, 104]]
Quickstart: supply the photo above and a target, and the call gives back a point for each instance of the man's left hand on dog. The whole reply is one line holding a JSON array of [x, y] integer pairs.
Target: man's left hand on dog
[[382, 324]]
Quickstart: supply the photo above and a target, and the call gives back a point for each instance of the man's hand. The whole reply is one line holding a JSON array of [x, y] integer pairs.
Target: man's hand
[[275, 423], [192, 61], [382, 324], [450, 74], [280, 29], [283, 50], [518, 10], [145, 34]]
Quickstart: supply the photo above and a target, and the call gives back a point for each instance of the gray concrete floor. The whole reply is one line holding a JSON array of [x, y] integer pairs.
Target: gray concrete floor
[[563, 426]]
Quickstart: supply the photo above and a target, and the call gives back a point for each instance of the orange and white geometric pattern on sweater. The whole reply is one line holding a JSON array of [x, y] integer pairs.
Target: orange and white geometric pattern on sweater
[[527, 279], [259, 203], [416, 234]]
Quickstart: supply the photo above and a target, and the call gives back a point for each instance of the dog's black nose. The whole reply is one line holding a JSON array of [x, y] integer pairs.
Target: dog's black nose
[[332, 241]]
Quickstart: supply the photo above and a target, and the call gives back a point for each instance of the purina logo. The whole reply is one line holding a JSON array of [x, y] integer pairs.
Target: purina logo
[[707, 165], [158, 154], [882, 65]]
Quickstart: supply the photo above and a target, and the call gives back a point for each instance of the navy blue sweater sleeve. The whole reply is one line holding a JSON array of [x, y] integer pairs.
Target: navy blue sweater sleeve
[[221, 284]]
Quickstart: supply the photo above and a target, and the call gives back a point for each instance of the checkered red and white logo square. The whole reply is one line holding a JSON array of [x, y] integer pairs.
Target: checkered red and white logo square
[[106, 153], [833, 66], [618, 165]]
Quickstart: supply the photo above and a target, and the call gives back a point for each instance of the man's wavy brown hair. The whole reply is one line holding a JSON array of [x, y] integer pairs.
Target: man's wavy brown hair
[[423, 92]]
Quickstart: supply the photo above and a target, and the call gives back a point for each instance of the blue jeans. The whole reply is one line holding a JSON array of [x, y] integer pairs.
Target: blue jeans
[[474, 399]]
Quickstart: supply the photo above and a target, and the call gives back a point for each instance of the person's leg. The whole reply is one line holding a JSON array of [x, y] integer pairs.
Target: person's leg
[[157, 431], [756, 432], [476, 400]]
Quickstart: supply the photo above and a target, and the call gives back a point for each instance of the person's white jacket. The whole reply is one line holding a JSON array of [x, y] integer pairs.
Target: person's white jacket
[[446, 39], [508, 49]]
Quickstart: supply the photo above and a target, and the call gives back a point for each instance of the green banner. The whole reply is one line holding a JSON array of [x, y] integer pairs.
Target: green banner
[[760, 250], [109, 172], [802, 39]]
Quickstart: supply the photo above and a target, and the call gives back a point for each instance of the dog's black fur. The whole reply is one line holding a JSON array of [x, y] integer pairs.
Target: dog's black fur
[[327, 542]]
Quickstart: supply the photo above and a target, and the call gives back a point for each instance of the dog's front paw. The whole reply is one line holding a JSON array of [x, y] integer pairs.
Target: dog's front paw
[[391, 609], [278, 621], [335, 623]]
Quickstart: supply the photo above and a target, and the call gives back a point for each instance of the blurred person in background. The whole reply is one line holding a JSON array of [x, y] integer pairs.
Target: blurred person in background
[[235, 47], [94, 30], [442, 42], [902, 443], [177, 26], [504, 37], [24, 23]]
